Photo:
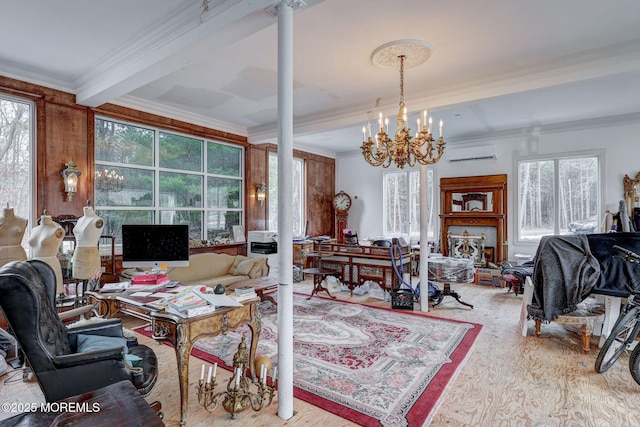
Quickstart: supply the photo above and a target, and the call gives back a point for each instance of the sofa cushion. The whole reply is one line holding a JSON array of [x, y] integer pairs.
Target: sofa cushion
[[88, 342], [259, 268], [243, 268], [203, 266], [238, 259]]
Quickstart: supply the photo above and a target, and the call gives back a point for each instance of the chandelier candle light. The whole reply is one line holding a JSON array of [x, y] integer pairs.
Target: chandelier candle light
[[237, 397], [403, 149]]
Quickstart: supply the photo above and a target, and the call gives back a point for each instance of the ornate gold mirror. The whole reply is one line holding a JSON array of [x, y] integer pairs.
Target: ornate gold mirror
[[632, 192]]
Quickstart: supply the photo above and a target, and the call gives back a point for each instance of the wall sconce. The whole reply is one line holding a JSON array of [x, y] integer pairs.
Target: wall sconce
[[261, 192], [70, 176]]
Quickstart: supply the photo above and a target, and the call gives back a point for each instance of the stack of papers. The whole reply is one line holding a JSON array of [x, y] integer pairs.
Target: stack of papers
[[115, 287]]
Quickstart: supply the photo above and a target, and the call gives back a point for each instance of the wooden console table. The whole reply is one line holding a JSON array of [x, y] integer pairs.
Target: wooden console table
[[234, 248], [359, 264]]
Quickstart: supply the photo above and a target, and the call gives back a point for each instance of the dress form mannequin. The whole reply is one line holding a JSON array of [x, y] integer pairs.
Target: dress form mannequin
[[45, 241], [86, 257], [11, 234]]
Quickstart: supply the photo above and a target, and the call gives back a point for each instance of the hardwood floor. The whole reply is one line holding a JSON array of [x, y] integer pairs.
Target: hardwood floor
[[508, 380]]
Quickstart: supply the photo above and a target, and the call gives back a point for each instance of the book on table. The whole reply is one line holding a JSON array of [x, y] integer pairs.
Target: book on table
[[187, 299], [244, 290], [150, 279], [191, 312], [244, 297]]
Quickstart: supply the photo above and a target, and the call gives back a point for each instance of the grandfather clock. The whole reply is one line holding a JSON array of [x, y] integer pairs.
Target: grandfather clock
[[341, 204]]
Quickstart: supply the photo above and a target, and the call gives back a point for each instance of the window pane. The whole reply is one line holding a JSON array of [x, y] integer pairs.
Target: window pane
[[180, 152], [135, 189], [164, 172], [536, 199], [180, 190], [113, 220], [122, 143], [298, 195], [298, 185], [224, 193], [579, 195], [191, 218], [414, 205], [220, 225], [224, 159], [273, 191], [15, 158], [396, 198]]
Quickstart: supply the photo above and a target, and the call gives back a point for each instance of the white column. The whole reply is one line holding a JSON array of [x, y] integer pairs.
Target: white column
[[285, 211], [424, 243]]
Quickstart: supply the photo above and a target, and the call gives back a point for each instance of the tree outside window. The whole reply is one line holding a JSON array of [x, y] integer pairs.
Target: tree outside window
[[401, 198], [167, 178], [558, 196], [16, 135], [298, 195]]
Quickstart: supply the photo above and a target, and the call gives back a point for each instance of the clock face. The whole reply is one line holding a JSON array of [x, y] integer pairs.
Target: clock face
[[342, 202]]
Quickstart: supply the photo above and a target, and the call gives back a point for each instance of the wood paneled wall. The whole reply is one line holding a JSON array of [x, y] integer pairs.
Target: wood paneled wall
[[65, 130], [319, 189]]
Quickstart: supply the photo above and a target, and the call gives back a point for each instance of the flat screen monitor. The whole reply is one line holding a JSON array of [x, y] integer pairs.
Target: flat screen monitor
[[155, 246]]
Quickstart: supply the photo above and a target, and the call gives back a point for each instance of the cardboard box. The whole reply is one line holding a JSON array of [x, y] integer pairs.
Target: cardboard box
[[489, 277]]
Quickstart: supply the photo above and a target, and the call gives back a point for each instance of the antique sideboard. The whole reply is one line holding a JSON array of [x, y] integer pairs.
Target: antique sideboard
[[359, 264]]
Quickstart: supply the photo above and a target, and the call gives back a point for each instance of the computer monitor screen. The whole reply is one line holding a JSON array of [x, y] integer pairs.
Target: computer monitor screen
[[155, 246]]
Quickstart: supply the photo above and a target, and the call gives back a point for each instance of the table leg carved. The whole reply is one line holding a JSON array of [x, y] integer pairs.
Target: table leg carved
[[184, 333]]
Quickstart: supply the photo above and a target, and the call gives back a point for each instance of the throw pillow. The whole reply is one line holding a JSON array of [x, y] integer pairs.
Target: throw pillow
[[88, 342], [243, 268], [258, 266]]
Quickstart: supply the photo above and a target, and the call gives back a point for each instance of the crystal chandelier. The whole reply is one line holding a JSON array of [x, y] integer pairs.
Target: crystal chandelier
[[109, 180], [403, 149]]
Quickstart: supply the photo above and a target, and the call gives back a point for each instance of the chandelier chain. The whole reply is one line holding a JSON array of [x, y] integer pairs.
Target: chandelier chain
[[402, 57]]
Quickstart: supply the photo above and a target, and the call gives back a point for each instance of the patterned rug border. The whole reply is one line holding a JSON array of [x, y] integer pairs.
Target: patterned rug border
[[423, 409]]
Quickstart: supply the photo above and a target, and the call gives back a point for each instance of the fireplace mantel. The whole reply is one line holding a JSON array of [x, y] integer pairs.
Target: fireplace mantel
[[475, 201]]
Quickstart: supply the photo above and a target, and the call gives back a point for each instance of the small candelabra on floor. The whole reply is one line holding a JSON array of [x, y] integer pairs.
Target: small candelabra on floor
[[237, 397]]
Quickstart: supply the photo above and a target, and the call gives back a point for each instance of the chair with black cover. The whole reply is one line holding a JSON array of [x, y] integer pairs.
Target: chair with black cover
[[68, 361]]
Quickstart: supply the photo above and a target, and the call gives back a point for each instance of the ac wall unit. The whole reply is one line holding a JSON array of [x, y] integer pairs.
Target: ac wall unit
[[471, 153]]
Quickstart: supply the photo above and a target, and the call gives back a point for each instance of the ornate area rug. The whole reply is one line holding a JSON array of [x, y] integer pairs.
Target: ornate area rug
[[372, 366]]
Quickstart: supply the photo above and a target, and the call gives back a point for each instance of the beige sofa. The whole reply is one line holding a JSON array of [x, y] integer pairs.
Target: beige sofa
[[210, 269]]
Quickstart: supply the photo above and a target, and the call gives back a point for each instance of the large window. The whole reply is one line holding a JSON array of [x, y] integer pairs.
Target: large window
[[402, 204], [298, 195], [558, 196], [16, 164], [148, 176]]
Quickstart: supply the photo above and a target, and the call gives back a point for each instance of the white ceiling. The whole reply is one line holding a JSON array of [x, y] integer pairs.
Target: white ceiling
[[499, 67]]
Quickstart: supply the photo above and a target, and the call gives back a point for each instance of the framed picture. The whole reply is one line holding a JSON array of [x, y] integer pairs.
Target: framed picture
[[238, 233]]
